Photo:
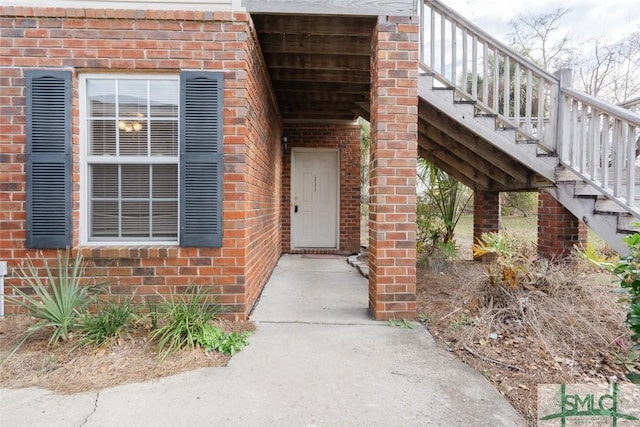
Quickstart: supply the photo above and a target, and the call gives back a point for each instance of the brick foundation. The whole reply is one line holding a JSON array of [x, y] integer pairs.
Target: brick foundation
[[486, 216], [558, 229], [392, 205]]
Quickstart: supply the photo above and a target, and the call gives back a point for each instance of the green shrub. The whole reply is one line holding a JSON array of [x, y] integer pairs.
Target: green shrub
[[109, 324], [213, 338], [181, 319], [56, 302], [627, 270]]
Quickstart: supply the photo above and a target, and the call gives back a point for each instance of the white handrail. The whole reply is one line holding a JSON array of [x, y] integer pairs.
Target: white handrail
[[502, 82], [600, 142]]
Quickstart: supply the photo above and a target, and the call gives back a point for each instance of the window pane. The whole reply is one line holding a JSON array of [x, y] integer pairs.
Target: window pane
[[165, 182], [103, 137], [164, 98], [164, 138], [135, 219], [105, 182], [132, 98], [133, 200], [133, 138], [165, 219], [135, 181], [104, 219], [101, 98]]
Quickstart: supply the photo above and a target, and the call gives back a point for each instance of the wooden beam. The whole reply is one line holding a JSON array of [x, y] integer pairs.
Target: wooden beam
[[337, 7], [426, 151], [315, 44], [328, 76], [337, 97], [319, 115], [474, 143], [322, 87], [312, 107], [314, 25], [318, 62], [464, 154]]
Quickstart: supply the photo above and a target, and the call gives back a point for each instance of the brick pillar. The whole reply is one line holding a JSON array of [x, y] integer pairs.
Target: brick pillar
[[558, 229], [486, 216], [394, 149]]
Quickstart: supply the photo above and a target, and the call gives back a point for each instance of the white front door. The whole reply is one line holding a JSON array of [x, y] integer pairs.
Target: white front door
[[314, 200]]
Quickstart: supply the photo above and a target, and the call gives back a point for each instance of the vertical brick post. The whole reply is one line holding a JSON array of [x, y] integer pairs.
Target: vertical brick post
[[558, 229], [394, 124], [486, 216]]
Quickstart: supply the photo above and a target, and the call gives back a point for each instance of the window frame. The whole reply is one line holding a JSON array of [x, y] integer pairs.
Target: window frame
[[86, 160]]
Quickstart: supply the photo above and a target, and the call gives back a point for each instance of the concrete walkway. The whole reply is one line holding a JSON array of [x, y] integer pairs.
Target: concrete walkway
[[316, 359]]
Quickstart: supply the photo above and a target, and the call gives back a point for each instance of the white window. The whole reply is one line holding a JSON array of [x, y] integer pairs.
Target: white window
[[130, 132]]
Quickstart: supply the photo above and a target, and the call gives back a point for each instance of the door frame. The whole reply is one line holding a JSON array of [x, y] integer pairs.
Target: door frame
[[336, 152]]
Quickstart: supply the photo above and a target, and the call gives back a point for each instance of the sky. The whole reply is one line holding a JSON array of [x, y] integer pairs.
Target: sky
[[588, 19]]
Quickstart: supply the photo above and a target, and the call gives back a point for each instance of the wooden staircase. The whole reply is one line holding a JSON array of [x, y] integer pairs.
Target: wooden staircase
[[497, 122]]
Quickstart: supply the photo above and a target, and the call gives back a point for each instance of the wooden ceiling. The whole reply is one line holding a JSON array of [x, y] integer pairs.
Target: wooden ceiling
[[319, 65]]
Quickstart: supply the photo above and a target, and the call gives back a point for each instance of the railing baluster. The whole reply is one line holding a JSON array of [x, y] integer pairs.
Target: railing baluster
[[496, 79], [443, 43], [454, 53], [541, 102], [465, 65], [474, 67], [631, 160], [516, 95], [507, 87], [619, 156], [485, 73], [591, 143], [432, 42], [607, 151], [528, 106]]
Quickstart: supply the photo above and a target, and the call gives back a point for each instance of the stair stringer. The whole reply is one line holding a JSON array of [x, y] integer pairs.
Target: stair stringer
[[605, 226], [525, 153]]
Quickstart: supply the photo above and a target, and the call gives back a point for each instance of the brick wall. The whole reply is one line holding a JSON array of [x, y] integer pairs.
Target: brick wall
[[346, 137], [392, 170], [486, 217], [131, 41], [558, 229]]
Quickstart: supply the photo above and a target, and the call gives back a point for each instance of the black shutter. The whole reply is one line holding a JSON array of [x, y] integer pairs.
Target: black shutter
[[201, 101], [49, 221]]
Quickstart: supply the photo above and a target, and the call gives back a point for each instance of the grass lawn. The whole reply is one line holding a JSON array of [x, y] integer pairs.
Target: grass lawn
[[526, 227]]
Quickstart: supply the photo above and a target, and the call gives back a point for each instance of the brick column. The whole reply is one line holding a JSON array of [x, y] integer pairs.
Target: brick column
[[392, 205], [558, 229], [486, 216]]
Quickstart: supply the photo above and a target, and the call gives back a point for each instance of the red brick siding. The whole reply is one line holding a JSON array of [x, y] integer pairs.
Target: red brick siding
[[558, 229], [486, 217], [394, 149], [347, 138], [153, 41]]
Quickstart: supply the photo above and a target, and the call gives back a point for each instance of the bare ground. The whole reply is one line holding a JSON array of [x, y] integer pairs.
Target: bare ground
[[68, 368], [566, 326]]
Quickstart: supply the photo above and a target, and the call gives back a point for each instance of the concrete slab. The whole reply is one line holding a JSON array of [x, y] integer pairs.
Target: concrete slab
[[320, 365], [314, 288]]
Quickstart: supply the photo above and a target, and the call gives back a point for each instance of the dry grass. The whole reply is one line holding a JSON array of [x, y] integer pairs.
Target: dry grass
[[562, 325], [68, 368]]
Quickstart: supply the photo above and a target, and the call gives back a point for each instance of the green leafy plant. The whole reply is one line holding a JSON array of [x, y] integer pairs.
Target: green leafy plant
[[401, 323], [513, 259], [424, 317], [463, 320], [55, 301], [627, 270], [109, 324], [181, 319], [213, 338]]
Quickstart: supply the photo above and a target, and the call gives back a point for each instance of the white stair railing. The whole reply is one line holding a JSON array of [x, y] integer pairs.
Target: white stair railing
[[600, 142], [502, 82]]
